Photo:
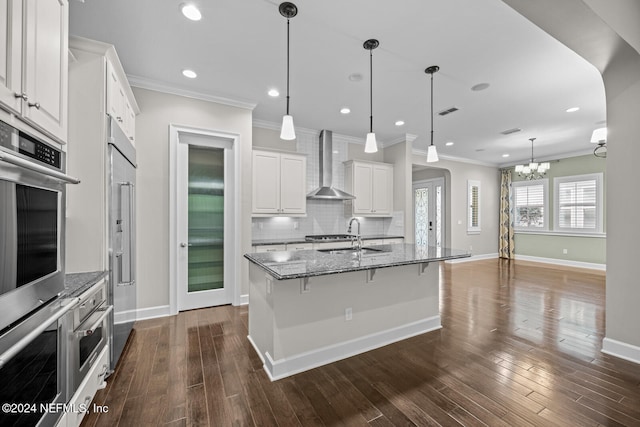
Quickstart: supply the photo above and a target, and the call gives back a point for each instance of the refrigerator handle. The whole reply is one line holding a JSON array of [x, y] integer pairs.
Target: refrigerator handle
[[131, 218]]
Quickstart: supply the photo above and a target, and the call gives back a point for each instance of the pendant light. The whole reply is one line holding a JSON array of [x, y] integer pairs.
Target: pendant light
[[432, 154], [371, 146], [533, 170], [288, 132], [599, 136]]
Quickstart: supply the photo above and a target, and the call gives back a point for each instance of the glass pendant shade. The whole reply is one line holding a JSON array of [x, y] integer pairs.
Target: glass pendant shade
[[599, 135], [287, 132], [432, 154], [370, 145]]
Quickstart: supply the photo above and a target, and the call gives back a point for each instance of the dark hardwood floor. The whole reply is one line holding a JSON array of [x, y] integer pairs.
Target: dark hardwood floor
[[520, 346]]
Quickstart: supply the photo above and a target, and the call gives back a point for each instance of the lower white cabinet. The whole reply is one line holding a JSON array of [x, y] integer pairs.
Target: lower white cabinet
[[270, 248], [299, 246], [82, 398]]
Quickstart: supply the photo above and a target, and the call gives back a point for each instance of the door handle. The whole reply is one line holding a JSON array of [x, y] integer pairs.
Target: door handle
[[185, 245], [131, 219]]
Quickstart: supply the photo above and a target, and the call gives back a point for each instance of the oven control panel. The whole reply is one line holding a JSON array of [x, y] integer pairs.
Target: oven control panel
[[25, 144]]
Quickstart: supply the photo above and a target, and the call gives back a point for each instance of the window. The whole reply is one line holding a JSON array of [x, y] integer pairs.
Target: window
[[530, 201], [473, 198], [578, 203]]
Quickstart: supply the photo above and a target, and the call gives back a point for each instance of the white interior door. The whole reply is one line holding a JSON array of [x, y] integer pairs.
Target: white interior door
[[205, 223], [428, 205]]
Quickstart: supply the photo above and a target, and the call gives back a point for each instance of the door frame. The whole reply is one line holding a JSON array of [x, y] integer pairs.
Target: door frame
[[433, 182], [234, 263]]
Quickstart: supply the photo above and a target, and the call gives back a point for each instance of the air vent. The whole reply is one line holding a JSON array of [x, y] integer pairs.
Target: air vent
[[448, 111], [510, 131]]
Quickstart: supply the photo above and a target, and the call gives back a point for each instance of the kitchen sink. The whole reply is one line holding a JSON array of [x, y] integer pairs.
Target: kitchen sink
[[346, 251]]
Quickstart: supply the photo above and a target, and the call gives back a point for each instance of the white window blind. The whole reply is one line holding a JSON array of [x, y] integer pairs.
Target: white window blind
[[578, 203], [530, 205], [473, 199]]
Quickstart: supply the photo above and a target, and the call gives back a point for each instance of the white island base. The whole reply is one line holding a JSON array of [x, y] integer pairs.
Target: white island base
[[299, 324]]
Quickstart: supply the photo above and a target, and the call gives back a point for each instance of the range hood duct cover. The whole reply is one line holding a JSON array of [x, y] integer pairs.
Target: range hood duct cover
[[326, 191]]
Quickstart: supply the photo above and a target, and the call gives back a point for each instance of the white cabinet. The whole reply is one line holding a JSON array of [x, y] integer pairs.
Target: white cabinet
[[299, 246], [269, 248], [87, 228], [119, 104], [372, 185], [94, 381], [34, 62], [279, 184]]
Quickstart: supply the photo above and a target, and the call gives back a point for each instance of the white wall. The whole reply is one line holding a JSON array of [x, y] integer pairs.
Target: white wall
[[456, 176], [158, 111]]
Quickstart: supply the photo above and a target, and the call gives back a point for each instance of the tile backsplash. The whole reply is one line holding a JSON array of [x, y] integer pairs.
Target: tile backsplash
[[323, 216]]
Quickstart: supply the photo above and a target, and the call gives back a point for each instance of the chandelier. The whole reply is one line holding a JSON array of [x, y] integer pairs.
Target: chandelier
[[533, 170]]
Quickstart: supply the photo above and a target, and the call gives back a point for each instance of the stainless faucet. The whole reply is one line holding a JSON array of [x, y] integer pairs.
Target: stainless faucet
[[358, 237]]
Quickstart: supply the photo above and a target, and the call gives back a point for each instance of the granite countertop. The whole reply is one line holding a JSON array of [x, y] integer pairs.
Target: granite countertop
[[76, 284], [258, 242], [308, 263]]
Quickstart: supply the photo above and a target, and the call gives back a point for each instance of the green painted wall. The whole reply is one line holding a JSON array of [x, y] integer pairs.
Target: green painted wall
[[582, 249]]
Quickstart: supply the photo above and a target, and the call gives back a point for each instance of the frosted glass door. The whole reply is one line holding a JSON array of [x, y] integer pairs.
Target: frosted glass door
[[206, 219]]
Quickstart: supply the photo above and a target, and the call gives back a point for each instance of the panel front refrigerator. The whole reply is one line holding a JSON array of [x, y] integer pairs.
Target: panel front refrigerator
[[122, 242]]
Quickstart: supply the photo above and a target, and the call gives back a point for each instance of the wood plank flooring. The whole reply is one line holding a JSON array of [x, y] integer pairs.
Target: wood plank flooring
[[520, 346]]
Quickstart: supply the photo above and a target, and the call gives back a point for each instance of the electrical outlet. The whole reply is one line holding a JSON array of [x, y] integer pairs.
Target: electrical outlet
[[296, 225], [470, 247], [564, 251], [348, 313]]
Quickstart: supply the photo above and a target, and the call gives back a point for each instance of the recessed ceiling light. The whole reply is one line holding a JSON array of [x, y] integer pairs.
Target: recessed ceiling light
[[449, 144], [336, 152], [345, 110], [479, 87], [189, 73], [572, 109], [190, 11], [273, 92], [505, 155], [400, 123], [355, 77]]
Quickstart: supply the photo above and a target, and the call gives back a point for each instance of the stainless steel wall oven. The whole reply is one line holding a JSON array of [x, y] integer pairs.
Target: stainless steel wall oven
[[32, 202], [33, 371]]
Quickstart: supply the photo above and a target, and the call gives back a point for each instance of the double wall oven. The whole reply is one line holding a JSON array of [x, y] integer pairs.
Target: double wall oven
[[33, 322]]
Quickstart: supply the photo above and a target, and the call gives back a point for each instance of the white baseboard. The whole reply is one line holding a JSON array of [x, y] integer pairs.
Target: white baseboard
[[472, 258], [255, 347], [149, 313], [281, 368], [244, 299], [562, 262], [621, 349]]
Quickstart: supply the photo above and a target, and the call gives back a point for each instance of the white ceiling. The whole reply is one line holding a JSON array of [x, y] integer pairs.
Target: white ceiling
[[238, 50]]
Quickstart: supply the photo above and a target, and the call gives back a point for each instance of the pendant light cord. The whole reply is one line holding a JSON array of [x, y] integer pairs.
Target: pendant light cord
[[287, 66], [431, 108], [371, 90]]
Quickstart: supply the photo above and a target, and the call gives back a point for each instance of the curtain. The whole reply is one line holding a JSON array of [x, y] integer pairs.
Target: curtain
[[506, 245]]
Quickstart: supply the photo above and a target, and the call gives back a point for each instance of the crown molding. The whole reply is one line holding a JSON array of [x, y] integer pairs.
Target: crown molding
[[408, 137], [149, 84], [417, 152], [265, 124]]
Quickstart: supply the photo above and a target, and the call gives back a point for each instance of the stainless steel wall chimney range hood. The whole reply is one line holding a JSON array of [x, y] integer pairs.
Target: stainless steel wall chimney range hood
[[326, 191]]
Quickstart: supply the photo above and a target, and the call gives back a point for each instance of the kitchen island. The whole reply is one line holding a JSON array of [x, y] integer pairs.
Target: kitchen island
[[312, 307]]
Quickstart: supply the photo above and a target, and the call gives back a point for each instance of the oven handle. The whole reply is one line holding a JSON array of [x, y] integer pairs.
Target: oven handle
[[26, 340], [81, 332], [17, 161]]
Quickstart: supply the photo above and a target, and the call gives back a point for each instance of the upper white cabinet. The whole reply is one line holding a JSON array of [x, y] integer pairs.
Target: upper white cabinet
[[33, 63], [119, 105], [372, 185], [279, 184]]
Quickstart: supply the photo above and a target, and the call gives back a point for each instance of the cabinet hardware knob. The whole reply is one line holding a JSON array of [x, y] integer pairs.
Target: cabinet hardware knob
[[131, 138], [34, 104], [21, 95]]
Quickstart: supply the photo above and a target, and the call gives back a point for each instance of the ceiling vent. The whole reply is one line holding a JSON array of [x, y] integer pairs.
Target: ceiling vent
[[448, 111], [510, 131]]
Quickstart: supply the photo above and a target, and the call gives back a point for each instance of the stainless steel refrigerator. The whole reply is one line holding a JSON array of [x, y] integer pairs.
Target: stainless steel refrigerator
[[122, 238]]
